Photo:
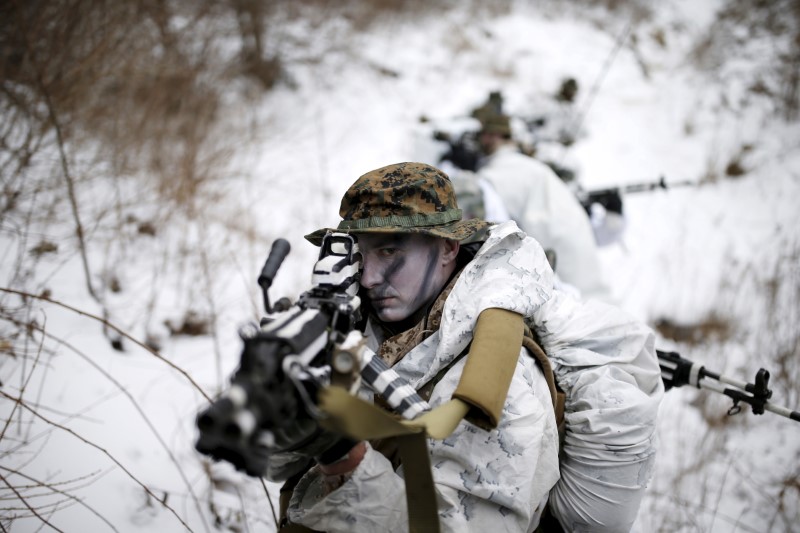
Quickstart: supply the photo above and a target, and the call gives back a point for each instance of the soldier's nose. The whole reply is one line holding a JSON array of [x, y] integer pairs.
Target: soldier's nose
[[370, 276]]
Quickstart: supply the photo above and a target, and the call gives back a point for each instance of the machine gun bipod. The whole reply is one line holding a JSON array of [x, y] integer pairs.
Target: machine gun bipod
[[677, 372]]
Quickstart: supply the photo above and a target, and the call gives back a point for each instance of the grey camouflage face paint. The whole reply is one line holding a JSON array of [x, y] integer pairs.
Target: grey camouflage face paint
[[403, 273]]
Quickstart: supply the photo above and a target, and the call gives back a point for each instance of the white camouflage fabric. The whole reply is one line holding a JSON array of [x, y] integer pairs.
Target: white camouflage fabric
[[500, 480], [545, 208]]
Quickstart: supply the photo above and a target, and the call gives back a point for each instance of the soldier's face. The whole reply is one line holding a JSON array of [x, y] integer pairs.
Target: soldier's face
[[489, 142], [404, 272]]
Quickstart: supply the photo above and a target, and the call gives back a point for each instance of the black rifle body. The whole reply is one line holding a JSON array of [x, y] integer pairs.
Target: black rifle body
[[271, 403]]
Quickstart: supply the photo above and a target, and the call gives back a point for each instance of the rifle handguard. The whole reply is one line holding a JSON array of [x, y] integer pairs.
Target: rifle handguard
[[490, 366]]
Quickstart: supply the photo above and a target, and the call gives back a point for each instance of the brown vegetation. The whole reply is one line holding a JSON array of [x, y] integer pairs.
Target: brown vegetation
[[712, 328], [777, 22]]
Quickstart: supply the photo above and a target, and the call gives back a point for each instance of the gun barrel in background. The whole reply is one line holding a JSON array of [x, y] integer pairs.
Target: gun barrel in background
[[677, 371]]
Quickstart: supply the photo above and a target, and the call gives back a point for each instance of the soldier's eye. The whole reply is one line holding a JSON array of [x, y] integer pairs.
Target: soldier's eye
[[387, 252]]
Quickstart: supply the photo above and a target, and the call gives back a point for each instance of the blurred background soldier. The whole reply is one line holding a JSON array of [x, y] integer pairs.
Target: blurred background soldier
[[553, 118], [492, 107], [543, 206]]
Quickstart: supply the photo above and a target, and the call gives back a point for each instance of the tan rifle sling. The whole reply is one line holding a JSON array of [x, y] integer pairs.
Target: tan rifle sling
[[556, 394]]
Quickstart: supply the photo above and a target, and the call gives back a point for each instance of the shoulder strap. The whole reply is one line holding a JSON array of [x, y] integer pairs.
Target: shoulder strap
[[490, 366], [556, 394]]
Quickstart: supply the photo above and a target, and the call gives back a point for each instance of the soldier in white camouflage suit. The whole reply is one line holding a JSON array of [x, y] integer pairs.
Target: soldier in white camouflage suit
[[424, 292], [544, 207]]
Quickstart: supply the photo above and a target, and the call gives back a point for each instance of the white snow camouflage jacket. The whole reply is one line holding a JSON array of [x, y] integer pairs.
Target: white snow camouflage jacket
[[499, 480], [545, 208]]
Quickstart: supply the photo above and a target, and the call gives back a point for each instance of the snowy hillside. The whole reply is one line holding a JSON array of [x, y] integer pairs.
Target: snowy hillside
[[102, 438]]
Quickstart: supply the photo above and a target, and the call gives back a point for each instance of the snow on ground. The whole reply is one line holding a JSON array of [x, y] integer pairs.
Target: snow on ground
[[727, 248]]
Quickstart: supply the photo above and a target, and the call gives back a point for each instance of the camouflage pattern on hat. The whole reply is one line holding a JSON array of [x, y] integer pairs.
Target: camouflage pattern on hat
[[403, 198]]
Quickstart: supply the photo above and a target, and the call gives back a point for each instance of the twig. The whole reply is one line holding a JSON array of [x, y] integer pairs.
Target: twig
[[44, 375], [100, 449], [135, 406], [698, 507], [65, 169], [60, 142], [208, 283], [719, 495], [271, 505], [23, 387], [578, 122], [115, 328], [22, 499], [244, 510], [51, 113], [50, 485], [48, 432]]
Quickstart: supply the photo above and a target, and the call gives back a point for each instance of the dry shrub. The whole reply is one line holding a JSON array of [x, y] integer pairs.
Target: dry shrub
[[363, 14], [113, 73], [780, 334], [736, 166], [192, 324], [788, 497], [138, 88], [145, 83], [126, 98], [711, 328], [635, 11], [766, 32]]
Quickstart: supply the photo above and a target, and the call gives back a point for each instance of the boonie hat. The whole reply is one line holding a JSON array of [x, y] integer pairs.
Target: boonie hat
[[500, 124], [403, 198]]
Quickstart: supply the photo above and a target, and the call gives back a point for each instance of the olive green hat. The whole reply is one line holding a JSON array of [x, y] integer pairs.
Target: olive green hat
[[403, 198], [496, 123]]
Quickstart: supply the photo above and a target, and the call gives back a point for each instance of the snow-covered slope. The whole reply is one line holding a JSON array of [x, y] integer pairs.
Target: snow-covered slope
[[111, 423]]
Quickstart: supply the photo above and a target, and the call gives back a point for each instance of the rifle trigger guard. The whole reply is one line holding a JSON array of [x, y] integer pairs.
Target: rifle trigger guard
[[735, 409]]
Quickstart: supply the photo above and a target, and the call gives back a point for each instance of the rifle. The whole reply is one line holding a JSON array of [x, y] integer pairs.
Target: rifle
[[464, 152], [677, 372], [285, 361], [611, 198]]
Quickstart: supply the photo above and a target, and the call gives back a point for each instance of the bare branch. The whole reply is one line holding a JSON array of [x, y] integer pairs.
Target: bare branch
[[271, 505], [98, 448], [60, 142], [52, 488], [23, 387], [24, 501], [136, 406], [115, 328]]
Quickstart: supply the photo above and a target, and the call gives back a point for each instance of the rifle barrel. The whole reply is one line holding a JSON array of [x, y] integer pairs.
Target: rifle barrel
[[640, 187], [783, 411]]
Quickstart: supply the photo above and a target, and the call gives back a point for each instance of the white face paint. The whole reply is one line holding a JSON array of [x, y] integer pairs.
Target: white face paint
[[403, 272]]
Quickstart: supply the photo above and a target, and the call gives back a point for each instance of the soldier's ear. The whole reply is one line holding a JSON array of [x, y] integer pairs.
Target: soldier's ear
[[449, 251]]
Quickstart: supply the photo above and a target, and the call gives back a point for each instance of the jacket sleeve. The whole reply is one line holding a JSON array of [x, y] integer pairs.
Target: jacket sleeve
[[606, 364], [484, 480]]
